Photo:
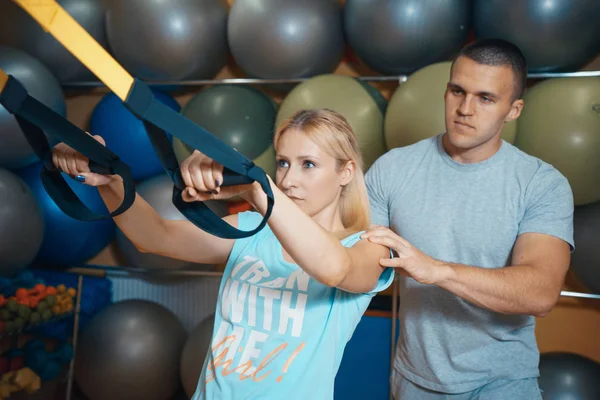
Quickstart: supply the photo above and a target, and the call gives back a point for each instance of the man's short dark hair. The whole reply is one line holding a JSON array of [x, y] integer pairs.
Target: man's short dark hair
[[499, 52]]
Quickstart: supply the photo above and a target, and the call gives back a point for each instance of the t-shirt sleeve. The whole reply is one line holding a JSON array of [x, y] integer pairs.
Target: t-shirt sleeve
[[385, 279], [377, 181], [549, 206]]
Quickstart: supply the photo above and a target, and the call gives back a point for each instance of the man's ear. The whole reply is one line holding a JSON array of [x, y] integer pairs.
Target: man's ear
[[515, 110]]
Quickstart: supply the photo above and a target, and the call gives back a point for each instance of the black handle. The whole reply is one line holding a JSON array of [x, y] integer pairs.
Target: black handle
[[231, 178], [100, 169]]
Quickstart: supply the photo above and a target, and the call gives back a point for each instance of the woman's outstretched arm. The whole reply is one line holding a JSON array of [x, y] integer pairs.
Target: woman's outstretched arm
[[142, 225]]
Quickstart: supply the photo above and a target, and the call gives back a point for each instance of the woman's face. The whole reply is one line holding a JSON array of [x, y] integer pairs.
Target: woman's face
[[307, 174]]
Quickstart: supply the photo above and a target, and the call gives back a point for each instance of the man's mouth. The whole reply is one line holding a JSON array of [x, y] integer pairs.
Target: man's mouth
[[464, 124]]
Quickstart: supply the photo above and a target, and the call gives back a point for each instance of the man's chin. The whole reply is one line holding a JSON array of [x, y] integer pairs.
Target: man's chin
[[459, 140]]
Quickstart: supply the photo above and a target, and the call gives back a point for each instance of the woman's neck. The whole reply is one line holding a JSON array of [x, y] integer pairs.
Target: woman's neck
[[330, 218]]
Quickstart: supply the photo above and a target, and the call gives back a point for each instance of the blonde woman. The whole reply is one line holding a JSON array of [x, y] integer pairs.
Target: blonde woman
[[291, 295]]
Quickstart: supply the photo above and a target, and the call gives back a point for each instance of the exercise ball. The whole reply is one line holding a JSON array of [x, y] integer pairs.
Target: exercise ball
[[21, 224], [416, 110], [286, 39], [158, 193], [241, 116], [560, 124], [168, 40], [19, 30], [15, 151], [68, 241], [556, 35], [126, 135], [401, 36], [130, 350], [585, 259], [346, 96], [194, 354], [568, 376]]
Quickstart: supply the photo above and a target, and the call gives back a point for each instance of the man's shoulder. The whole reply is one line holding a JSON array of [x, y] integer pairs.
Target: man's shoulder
[[539, 176], [536, 168], [406, 154]]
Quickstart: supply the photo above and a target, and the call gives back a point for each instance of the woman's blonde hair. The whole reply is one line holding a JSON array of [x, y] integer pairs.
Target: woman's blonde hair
[[333, 134]]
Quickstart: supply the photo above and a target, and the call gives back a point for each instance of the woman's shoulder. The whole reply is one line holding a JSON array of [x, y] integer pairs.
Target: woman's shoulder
[[351, 238]]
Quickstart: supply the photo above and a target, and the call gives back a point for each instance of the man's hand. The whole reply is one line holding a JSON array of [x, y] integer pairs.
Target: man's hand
[[409, 260]]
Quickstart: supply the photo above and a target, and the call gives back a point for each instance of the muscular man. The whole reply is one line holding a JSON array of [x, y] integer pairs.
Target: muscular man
[[483, 234]]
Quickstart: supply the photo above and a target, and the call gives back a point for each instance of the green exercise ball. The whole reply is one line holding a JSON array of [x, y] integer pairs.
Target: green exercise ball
[[241, 116], [560, 124], [348, 97], [416, 109]]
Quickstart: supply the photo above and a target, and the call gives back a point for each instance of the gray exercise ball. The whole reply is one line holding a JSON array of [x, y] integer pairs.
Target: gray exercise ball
[[158, 192], [21, 224], [585, 259], [15, 151], [194, 354], [280, 39], [168, 40], [569, 376], [556, 35], [19, 30], [401, 36], [130, 350]]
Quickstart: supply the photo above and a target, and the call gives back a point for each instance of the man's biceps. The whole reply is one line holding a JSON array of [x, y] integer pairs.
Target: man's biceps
[[539, 249]]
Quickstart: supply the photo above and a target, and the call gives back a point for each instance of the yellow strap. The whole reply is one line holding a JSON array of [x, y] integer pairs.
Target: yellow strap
[[55, 20], [3, 80]]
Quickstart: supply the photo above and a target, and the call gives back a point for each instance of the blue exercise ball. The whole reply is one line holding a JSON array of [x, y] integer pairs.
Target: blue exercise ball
[[15, 151], [68, 241], [125, 134]]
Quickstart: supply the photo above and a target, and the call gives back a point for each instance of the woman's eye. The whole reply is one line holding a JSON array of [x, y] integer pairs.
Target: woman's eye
[[282, 164], [308, 164]]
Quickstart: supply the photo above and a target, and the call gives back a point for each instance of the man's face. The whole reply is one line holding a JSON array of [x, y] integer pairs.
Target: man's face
[[479, 100]]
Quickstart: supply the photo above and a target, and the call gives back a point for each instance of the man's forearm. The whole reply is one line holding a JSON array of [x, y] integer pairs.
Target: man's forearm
[[511, 290]]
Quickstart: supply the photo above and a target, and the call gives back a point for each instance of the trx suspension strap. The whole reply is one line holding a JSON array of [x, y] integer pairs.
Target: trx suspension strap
[[34, 118], [157, 118]]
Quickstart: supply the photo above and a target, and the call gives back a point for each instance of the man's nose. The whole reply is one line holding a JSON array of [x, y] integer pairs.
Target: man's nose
[[466, 106]]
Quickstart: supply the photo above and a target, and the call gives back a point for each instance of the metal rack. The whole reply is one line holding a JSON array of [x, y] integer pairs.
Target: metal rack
[[257, 81]]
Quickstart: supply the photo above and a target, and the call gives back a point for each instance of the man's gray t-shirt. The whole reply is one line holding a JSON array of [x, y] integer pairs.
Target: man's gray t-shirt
[[467, 214]]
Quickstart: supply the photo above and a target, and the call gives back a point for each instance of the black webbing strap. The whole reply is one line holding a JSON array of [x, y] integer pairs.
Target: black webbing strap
[[34, 118], [238, 169]]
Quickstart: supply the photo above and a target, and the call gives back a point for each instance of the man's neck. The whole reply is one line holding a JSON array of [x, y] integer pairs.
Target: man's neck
[[473, 155]]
